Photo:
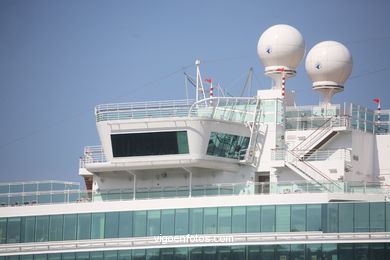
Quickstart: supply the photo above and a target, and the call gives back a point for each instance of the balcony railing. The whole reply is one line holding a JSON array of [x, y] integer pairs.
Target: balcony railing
[[232, 189]]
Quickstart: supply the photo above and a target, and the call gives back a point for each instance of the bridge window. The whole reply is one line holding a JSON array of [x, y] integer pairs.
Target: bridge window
[[143, 144], [226, 145]]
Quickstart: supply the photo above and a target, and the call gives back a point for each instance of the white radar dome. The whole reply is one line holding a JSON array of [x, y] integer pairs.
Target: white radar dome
[[281, 47], [329, 64]]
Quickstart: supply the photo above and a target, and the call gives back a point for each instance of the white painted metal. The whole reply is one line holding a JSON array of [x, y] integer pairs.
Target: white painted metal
[[192, 241]]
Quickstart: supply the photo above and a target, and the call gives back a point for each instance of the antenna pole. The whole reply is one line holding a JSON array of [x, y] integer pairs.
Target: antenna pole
[[199, 85]]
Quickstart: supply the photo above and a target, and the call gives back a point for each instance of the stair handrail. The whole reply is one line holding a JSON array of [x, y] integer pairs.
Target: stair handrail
[[316, 134], [298, 158]]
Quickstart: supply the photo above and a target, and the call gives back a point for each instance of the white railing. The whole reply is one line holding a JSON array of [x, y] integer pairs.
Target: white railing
[[233, 109], [322, 132], [92, 154], [317, 155], [142, 110], [231, 239]]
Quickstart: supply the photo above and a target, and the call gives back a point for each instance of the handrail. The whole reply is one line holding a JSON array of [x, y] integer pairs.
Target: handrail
[[260, 238]]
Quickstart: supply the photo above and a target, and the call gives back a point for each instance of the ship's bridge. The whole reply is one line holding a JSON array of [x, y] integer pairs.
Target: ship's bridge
[[213, 133]]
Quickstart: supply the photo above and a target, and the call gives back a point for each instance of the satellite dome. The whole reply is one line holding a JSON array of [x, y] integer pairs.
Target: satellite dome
[[329, 63], [281, 47]]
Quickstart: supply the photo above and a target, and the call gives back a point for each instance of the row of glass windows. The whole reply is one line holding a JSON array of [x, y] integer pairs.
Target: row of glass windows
[[38, 186], [329, 218], [374, 251], [226, 145]]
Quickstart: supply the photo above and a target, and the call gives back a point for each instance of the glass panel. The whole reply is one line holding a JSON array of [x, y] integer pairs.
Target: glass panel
[[70, 227], [111, 225], [329, 251], [110, 255], [55, 230], [224, 220], [345, 251], [387, 216], [4, 189], [139, 254], [13, 230], [238, 252], [58, 186], [313, 251], [182, 142], [84, 226], [267, 219], [377, 251], [267, 252], [362, 217], [96, 255], [139, 223], [253, 219], [377, 217], [44, 199], [298, 218], [153, 224], [346, 217], [210, 221], [42, 229], [3, 230], [28, 229], [283, 218], [31, 187], [313, 217], [298, 252], [166, 253], [254, 252], [15, 188], [196, 221], [181, 221], [361, 251], [124, 255], [68, 256], [180, 253], [330, 218], [82, 255], [168, 222], [125, 224], [196, 253], [282, 252], [97, 229], [26, 257], [239, 219], [226, 145], [209, 253], [54, 256], [40, 257], [44, 186], [142, 144]]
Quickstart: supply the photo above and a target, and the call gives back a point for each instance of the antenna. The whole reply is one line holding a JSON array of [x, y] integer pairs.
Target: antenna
[[198, 82], [281, 49], [329, 65], [248, 82]]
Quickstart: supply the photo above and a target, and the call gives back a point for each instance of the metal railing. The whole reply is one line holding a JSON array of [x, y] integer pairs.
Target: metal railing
[[318, 155], [233, 109], [264, 238], [142, 110], [92, 154], [322, 132], [227, 189]]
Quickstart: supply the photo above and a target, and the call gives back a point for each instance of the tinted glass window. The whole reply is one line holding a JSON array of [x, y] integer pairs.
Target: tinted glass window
[[143, 144]]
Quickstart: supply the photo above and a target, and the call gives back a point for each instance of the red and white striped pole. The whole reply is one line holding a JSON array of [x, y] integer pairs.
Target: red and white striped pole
[[283, 81], [379, 108], [211, 89]]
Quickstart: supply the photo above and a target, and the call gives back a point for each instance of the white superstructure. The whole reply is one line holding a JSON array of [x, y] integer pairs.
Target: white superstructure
[[282, 180]]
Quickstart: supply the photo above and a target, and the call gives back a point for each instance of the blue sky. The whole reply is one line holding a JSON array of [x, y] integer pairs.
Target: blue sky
[[58, 59]]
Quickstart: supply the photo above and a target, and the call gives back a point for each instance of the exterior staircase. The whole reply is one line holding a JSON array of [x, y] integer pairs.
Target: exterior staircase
[[248, 155], [296, 159]]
